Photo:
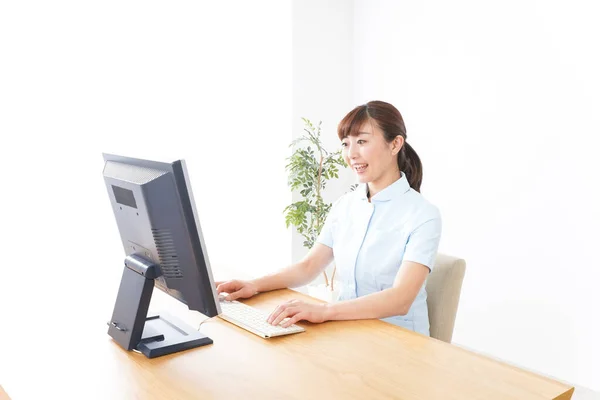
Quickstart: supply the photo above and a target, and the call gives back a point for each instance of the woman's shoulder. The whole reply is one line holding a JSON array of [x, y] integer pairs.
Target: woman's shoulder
[[344, 201], [355, 193], [422, 207]]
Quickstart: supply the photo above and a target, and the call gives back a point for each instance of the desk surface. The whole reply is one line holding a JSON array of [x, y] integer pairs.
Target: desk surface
[[335, 360]]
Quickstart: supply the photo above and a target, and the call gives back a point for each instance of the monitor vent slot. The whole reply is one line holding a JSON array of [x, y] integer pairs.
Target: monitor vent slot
[[169, 262]]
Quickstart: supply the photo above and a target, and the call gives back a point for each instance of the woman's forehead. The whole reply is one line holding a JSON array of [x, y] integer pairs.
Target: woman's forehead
[[367, 128]]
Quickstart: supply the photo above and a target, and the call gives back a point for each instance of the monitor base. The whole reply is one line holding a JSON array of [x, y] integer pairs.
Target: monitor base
[[131, 326], [165, 334]]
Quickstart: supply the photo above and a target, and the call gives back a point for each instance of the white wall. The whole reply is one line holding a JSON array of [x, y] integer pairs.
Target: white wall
[[209, 82], [322, 81], [501, 102]]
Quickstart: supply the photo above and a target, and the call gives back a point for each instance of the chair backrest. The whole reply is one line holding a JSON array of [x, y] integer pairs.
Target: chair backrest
[[443, 293]]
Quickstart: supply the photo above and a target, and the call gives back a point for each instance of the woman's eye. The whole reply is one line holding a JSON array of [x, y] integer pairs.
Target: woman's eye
[[344, 144], [360, 141]]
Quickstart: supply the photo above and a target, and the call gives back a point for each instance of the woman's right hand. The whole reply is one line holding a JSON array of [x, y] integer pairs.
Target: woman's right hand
[[236, 289]]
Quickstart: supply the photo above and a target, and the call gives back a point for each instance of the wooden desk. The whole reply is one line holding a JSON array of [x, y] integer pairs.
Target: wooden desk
[[336, 360]]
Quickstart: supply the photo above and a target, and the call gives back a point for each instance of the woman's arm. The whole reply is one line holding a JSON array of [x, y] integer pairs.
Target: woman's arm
[[299, 274], [396, 300], [317, 259]]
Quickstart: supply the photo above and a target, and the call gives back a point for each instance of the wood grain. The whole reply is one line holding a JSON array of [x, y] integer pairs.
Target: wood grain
[[367, 359]]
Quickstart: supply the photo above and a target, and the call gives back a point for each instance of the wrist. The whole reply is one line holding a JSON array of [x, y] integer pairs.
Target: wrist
[[256, 285], [330, 311]]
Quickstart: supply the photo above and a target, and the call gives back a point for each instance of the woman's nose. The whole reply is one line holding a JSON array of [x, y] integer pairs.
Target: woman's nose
[[352, 151]]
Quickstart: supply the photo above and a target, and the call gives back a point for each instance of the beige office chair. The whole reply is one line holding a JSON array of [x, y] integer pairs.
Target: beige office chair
[[443, 292]]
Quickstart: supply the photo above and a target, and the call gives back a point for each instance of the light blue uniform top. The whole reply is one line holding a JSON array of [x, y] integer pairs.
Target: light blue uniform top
[[371, 240]]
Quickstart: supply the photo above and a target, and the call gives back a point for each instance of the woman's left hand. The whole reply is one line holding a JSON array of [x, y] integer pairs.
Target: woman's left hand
[[297, 310]]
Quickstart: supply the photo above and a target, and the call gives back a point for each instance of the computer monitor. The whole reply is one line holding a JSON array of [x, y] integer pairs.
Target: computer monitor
[[155, 212]]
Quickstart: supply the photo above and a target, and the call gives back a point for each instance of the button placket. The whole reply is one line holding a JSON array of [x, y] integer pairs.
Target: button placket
[[368, 214]]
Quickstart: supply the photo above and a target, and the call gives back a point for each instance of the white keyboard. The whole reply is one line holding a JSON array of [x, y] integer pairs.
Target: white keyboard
[[254, 320]]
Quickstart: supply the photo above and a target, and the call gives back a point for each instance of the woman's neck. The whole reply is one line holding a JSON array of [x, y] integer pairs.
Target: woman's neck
[[378, 185]]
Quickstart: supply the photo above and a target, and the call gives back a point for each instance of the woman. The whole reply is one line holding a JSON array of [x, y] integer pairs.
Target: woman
[[383, 237]]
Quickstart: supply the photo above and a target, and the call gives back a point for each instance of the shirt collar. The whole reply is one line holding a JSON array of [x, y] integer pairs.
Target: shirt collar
[[394, 190]]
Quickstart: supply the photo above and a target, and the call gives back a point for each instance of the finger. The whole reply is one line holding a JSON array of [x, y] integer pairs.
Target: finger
[[287, 313], [222, 287], [293, 320], [234, 296], [288, 304], [229, 287], [276, 312]]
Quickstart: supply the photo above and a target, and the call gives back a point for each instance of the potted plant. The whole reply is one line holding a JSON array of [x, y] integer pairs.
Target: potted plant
[[309, 168]]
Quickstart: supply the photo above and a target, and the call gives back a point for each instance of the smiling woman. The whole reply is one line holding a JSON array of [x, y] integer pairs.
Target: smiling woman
[[383, 237], [379, 132]]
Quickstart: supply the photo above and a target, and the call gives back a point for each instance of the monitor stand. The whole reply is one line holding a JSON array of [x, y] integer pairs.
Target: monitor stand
[[131, 326]]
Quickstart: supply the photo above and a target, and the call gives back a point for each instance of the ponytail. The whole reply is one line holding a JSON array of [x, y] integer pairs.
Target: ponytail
[[410, 163]]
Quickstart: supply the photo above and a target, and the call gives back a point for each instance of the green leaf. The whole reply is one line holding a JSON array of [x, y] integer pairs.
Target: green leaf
[[309, 168]]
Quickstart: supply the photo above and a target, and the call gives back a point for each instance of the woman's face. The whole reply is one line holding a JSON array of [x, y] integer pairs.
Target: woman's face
[[369, 155]]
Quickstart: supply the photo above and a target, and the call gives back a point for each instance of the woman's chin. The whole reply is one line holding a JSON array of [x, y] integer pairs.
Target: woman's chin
[[362, 178]]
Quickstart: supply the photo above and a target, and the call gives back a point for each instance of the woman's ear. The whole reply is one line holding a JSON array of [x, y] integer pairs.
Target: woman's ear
[[397, 144]]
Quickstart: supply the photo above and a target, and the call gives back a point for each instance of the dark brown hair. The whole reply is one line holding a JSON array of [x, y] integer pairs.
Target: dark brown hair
[[390, 121]]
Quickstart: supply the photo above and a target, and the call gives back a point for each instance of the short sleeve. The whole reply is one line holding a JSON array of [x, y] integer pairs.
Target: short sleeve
[[423, 242], [326, 235]]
